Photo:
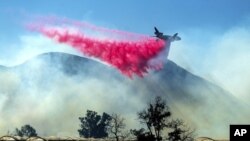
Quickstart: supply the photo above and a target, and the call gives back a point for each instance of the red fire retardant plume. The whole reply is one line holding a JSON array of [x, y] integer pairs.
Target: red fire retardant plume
[[130, 57]]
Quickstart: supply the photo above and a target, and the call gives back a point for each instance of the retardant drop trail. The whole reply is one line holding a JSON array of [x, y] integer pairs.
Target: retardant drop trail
[[129, 56]]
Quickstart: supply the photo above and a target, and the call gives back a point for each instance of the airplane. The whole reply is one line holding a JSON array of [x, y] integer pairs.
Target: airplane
[[160, 35], [162, 56]]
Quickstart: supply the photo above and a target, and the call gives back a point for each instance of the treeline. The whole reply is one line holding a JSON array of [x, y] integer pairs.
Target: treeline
[[156, 118]]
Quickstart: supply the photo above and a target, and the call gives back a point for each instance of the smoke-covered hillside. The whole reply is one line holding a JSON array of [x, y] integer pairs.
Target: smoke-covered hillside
[[56, 88]]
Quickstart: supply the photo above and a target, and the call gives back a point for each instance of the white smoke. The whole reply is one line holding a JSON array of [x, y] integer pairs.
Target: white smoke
[[30, 46], [223, 58]]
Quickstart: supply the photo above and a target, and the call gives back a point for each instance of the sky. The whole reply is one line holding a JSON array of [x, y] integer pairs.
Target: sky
[[191, 17], [139, 16], [215, 33]]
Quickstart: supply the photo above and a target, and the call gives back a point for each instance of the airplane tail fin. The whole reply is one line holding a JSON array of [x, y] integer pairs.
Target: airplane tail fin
[[158, 34], [156, 31]]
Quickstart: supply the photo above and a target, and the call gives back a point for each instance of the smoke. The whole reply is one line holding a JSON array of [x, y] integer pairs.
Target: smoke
[[29, 46], [51, 101], [233, 55], [223, 59], [44, 97]]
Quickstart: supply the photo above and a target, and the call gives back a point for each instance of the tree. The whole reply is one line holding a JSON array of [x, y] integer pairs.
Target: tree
[[155, 117], [26, 130], [180, 131], [94, 125], [116, 126]]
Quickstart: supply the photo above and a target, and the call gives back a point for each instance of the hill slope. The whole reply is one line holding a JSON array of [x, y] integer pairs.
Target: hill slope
[[202, 104]]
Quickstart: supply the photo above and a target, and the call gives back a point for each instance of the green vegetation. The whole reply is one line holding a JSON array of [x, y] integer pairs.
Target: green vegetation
[[26, 131]]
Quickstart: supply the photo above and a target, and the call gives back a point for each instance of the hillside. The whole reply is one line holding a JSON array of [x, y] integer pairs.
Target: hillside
[[203, 105]]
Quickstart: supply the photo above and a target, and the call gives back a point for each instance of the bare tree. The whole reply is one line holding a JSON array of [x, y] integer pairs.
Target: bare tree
[[116, 126]]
